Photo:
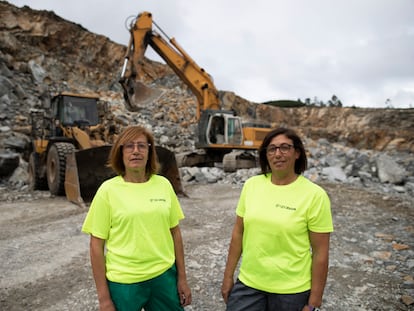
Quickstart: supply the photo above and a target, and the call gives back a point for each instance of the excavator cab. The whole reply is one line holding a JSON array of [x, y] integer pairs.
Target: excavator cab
[[220, 129], [224, 129]]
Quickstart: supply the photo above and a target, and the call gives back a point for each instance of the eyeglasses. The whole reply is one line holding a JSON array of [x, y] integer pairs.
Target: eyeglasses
[[284, 148], [130, 147]]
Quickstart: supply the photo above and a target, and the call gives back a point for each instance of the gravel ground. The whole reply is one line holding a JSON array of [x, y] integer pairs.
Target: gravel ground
[[45, 261]]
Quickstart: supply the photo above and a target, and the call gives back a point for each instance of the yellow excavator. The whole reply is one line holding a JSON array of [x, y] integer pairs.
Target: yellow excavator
[[71, 148], [223, 137]]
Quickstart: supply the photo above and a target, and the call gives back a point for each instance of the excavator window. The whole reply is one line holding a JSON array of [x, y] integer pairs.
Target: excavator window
[[234, 131], [216, 132]]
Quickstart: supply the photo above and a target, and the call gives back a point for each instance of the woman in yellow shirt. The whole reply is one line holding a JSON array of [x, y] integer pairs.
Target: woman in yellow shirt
[[136, 248], [282, 232]]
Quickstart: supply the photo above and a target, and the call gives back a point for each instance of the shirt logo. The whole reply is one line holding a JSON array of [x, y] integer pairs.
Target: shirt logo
[[157, 200], [285, 207]]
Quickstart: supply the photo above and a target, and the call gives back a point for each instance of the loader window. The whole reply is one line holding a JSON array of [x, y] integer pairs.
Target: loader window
[[80, 109], [74, 112]]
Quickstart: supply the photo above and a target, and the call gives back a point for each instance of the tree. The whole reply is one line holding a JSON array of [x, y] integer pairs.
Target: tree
[[388, 103], [335, 102]]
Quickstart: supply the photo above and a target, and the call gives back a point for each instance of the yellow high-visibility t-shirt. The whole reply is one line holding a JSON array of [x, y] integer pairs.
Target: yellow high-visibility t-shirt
[[276, 254], [135, 220]]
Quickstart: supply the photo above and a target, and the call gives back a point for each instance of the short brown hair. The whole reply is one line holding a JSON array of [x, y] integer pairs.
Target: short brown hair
[[301, 163], [129, 134]]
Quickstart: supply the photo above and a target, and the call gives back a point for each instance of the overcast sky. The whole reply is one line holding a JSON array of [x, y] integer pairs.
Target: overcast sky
[[360, 50]]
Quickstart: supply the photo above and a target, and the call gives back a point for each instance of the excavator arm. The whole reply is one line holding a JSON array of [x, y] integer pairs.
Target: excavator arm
[[143, 34]]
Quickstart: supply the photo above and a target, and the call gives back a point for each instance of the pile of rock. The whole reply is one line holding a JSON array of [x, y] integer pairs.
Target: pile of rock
[[38, 58], [388, 173], [383, 172]]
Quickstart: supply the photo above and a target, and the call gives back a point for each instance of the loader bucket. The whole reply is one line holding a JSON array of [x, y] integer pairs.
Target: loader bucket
[[169, 169], [138, 96], [87, 169], [85, 172]]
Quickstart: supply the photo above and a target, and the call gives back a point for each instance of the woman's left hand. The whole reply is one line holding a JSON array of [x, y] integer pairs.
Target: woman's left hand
[[184, 293]]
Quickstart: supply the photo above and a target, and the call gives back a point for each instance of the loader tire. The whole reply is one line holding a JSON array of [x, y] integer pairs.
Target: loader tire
[[56, 167], [36, 182]]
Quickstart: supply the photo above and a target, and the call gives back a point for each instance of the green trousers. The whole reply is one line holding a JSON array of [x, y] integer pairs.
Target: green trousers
[[159, 293]]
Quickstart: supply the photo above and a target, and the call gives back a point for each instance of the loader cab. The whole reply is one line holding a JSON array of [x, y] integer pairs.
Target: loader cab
[[72, 110]]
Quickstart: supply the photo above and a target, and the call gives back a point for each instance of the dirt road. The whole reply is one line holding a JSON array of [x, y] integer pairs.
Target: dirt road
[[45, 263]]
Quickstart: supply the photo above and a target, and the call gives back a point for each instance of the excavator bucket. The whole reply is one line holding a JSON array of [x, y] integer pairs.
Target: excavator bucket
[[137, 95], [87, 169], [85, 172]]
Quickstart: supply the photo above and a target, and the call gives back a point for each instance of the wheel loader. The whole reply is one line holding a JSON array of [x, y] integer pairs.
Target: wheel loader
[[71, 149]]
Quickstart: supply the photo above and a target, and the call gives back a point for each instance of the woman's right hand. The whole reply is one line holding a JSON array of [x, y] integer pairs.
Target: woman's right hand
[[106, 305], [226, 287]]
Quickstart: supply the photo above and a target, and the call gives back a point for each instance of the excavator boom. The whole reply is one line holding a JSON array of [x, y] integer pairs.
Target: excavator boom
[[143, 34]]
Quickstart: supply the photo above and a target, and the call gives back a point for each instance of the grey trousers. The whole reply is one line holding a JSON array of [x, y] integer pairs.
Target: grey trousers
[[244, 298]]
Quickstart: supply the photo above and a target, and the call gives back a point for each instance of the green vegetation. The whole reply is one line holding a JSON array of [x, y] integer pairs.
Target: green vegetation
[[286, 103]]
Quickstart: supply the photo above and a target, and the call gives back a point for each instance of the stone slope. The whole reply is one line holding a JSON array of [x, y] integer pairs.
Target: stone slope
[[42, 53]]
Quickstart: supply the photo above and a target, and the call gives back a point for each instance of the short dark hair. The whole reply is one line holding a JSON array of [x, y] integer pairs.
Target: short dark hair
[[129, 134], [301, 163]]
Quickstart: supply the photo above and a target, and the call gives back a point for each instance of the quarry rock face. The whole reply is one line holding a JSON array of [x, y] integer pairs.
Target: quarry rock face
[[42, 54]]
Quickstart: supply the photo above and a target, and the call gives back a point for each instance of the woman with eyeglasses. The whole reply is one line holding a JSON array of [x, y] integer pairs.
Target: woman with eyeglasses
[[136, 248], [281, 233]]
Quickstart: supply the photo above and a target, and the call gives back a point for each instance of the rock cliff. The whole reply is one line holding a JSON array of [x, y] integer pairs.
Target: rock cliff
[[41, 53]]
